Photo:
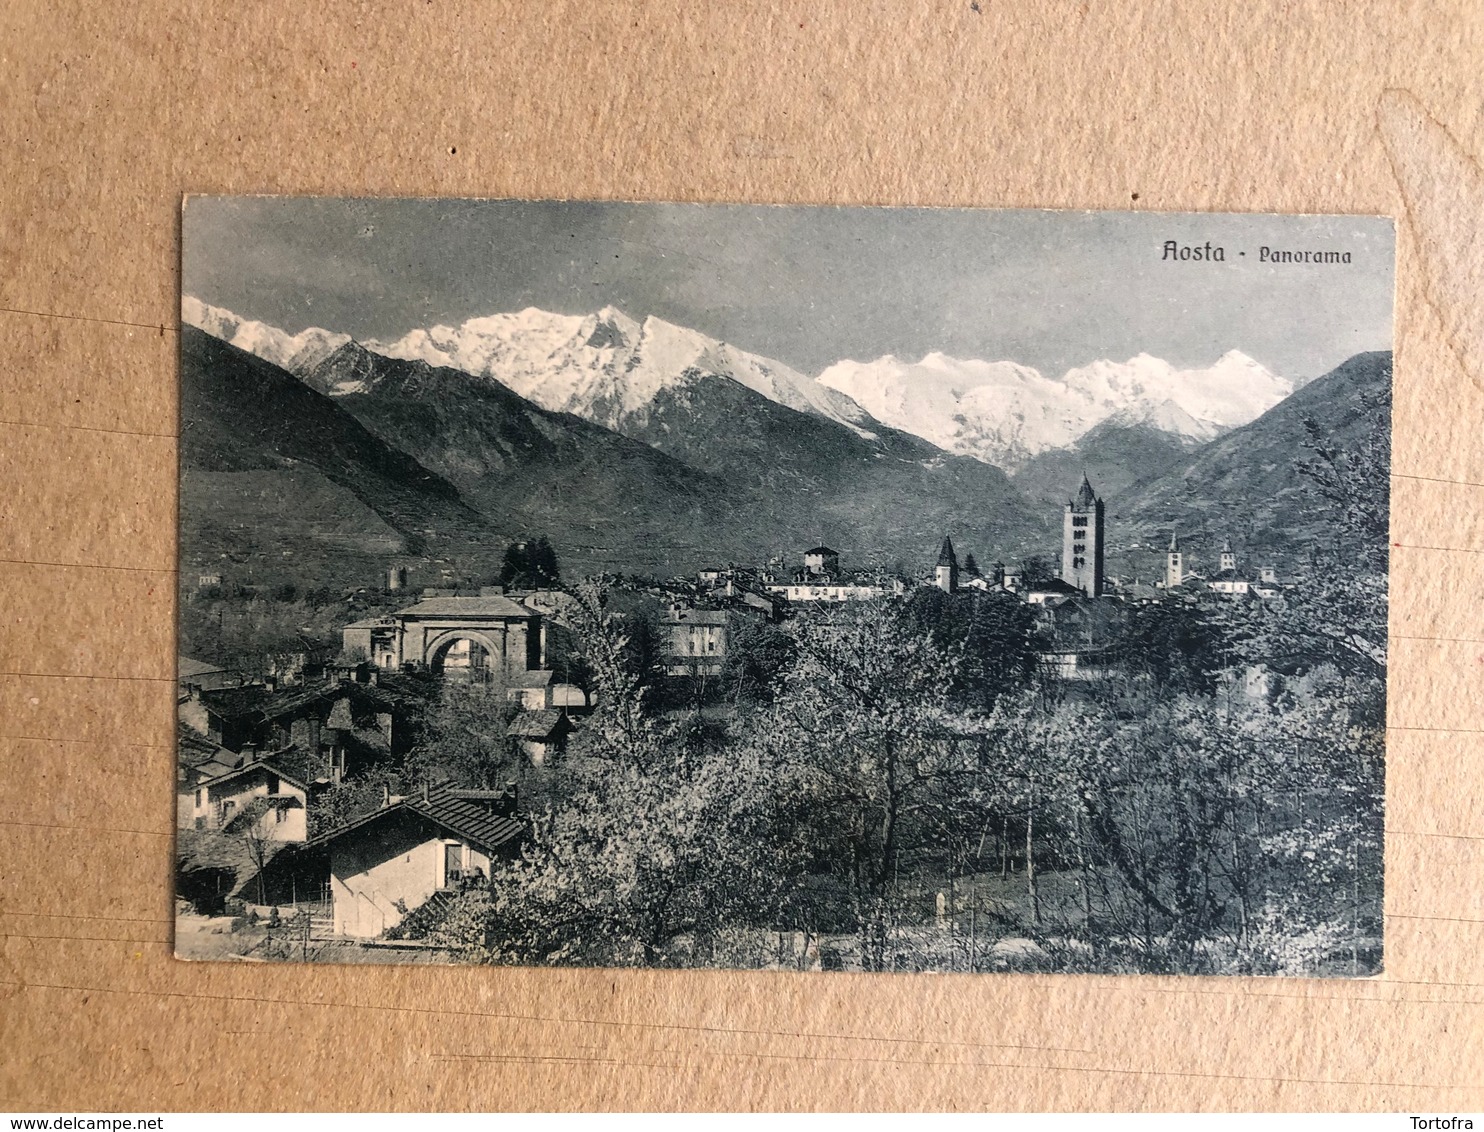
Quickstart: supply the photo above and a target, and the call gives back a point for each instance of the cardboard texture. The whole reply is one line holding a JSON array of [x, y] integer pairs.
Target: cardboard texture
[[112, 112]]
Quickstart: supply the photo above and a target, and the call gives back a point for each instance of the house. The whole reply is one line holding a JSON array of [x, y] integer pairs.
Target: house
[[306, 659], [198, 760], [229, 717], [540, 733], [351, 724], [531, 690], [1051, 592], [1229, 581], [393, 860], [821, 562], [284, 780], [827, 591], [697, 641]]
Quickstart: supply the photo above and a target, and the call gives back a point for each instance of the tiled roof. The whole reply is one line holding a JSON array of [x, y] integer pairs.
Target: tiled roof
[[697, 616], [536, 724], [535, 678], [298, 767], [1085, 497], [491, 606], [193, 749], [186, 666], [1054, 586], [294, 700], [235, 702], [459, 812]]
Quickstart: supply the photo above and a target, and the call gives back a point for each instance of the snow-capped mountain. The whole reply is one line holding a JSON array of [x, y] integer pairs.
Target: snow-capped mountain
[[607, 367], [1005, 413], [296, 353], [611, 369]]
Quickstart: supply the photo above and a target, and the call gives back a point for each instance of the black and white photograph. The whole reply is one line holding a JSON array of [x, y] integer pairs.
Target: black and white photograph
[[789, 588]]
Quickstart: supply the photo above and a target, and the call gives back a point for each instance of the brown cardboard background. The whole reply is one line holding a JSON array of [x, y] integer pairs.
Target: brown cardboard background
[[108, 113]]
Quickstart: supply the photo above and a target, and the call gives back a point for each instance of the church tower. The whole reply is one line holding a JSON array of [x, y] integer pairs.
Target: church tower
[[1228, 556], [1082, 542], [945, 574], [1174, 564]]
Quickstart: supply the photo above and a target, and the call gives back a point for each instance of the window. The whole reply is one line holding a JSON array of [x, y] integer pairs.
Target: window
[[200, 796], [277, 815], [273, 784], [1079, 520]]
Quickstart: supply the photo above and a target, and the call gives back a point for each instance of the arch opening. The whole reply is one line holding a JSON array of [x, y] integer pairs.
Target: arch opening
[[463, 660]]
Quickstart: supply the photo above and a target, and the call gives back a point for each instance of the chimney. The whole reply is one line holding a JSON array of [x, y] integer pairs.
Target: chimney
[[386, 795], [271, 682], [425, 791], [249, 753]]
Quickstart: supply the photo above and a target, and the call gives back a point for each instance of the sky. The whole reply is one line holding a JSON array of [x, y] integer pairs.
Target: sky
[[809, 286]]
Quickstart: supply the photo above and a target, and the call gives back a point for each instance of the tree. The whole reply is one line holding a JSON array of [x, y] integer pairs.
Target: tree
[[465, 738], [995, 637], [864, 725], [530, 564], [1035, 571], [971, 567], [758, 652], [1180, 642], [247, 823], [646, 851]]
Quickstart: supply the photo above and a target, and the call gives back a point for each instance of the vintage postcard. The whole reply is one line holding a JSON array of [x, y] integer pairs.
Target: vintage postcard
[[804, 588]]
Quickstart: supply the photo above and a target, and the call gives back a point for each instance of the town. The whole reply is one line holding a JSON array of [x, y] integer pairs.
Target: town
[[333, 803]]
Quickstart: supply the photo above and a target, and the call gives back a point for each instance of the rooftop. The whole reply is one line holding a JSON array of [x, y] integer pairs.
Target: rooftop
[[482, 606], [463, 813], [697, 616], [537, 724], [291, 764]]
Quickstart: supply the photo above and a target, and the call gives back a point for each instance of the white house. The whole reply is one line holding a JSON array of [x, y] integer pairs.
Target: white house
[[390, 862]]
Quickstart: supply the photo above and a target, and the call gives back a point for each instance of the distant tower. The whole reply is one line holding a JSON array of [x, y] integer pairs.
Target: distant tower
[[1174, 567], [945, 575], [999, 574], [1228, 556], [1082, 542], [396, 578]]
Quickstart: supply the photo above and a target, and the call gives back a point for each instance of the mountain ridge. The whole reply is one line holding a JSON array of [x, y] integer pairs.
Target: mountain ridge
[[611, 369]]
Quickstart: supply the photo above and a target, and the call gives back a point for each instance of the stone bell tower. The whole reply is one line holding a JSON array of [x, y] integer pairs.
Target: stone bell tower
[[1174, 563], [1082, 542]]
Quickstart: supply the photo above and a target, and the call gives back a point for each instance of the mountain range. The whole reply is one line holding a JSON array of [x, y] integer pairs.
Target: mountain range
[[610, 369], [1005, 414], [650, 446]]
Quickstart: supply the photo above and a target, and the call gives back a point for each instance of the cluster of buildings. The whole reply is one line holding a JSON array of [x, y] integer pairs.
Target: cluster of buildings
[[255, 756], [1079, 604]]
